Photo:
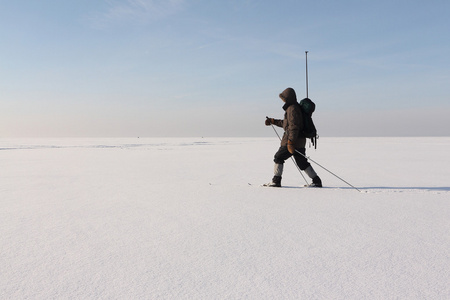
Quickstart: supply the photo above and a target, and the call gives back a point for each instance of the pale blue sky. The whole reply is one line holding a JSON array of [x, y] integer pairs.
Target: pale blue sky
[[215, 68]]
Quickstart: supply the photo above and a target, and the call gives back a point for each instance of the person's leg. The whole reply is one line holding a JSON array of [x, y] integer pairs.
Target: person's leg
[[279, 159], [304, 165]]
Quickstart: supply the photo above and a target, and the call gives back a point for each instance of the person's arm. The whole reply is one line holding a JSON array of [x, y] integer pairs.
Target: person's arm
[[294, 121], [272, 121]]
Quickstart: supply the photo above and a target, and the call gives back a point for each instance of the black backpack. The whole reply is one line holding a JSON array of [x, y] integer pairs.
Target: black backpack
[[309, 130]]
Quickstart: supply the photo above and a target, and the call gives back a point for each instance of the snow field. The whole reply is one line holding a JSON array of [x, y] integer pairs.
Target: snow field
[[186, 219]]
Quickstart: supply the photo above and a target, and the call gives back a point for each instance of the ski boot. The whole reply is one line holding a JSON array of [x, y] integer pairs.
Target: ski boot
[[316, 182], [276, 182]]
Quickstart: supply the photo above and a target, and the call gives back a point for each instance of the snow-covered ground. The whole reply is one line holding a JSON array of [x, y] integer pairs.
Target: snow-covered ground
[[186, 219]]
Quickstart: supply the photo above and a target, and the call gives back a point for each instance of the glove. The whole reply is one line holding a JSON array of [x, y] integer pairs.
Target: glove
[[269, 121], [291, 147]]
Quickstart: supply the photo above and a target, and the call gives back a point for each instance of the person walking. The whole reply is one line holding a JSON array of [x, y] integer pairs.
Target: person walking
[[291, 141]]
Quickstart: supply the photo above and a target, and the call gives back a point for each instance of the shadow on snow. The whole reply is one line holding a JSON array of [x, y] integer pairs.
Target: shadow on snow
[[440, 189]]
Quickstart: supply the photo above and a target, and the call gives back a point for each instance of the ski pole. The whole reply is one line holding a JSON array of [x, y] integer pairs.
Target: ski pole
[[298, 168], [327, 170]]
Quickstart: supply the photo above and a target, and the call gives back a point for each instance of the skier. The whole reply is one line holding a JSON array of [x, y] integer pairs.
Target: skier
[[291, 141]]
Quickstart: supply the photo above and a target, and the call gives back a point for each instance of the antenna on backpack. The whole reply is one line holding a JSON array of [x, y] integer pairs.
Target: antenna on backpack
[[306, 54]]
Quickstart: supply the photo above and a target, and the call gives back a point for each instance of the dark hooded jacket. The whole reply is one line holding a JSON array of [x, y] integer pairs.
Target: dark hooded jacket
[[293, 121]]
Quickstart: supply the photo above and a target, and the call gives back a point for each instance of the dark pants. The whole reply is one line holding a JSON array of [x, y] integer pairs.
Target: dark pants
[[283, 154]]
